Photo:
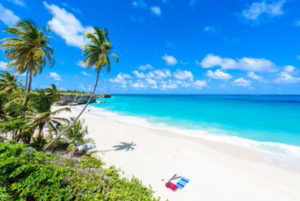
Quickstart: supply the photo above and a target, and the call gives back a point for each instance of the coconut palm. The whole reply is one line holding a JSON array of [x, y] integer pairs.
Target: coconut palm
[[97, 55], [8, 83], [42, 115], [11, 95], [29, 50], [53, 93], [77, 132]]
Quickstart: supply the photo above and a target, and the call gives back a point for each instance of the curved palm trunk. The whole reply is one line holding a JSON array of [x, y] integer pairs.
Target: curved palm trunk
[[26, 83], [29, 81], [70, 126], [28, 86]]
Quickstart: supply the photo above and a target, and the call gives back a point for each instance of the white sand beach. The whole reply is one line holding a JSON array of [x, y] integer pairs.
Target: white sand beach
[[217, 171]]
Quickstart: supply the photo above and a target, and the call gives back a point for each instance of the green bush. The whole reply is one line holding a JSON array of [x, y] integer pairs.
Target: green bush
[[29, 175], [77, 132]]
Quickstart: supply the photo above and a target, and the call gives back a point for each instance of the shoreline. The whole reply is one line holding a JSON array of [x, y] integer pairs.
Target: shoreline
[[218, 171], [279, 154]]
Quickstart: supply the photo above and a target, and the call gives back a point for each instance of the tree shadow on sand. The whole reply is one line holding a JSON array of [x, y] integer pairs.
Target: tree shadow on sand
[[123, 146]]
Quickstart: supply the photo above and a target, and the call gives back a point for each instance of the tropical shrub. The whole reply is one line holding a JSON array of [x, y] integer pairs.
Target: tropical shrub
[[29, 175], [77, 132]]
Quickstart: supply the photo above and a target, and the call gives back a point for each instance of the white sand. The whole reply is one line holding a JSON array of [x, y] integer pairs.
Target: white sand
[[217, 171]]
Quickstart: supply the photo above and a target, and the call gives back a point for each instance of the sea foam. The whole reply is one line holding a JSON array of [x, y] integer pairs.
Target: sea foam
[[283, 154]]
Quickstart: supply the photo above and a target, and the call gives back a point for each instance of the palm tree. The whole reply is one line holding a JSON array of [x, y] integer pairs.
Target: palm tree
[[77, 132], [11, 96], [42, 116], [53, 93], [8, 83], [29, 50], [96, 55]]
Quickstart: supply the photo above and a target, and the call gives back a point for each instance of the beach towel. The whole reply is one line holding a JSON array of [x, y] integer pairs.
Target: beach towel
[[182, 182], [171, 186]]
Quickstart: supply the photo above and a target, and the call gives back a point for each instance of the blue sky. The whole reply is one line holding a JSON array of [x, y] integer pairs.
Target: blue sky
[[171, 46]]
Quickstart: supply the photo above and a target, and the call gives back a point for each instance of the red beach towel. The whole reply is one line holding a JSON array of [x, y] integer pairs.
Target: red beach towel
[[172, 186]]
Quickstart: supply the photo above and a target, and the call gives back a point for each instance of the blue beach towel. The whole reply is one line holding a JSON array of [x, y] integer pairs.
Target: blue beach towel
[[182, 182]]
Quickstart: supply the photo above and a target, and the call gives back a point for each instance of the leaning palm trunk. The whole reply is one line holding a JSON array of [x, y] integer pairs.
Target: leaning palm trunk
[[28, 86], [29, 81], [71, 125], [26, 83]]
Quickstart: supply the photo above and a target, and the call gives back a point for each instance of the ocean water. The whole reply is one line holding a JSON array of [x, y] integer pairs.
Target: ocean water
[[269, 123]]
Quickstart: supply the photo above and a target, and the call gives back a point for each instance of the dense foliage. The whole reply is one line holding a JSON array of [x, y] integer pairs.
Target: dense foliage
[[28, 175], [28, 122]]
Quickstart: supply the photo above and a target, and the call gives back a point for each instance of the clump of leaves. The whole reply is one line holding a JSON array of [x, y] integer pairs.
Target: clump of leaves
[[77, 132], [4, 196], [13, 125], [90, 162], [26, 174]]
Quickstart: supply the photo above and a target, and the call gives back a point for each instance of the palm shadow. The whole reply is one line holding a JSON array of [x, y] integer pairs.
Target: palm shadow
[[123, 146]]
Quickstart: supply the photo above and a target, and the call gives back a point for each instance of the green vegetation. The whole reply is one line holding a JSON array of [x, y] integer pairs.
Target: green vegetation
[[73, 92], [27, 123], [28, 175], [26, 118]]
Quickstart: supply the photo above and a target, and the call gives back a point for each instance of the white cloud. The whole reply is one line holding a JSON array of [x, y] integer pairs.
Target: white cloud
[[18, 2], [72, 8], [218, 75], [183, 75], [139, 4], [138, 74], [121, 79], [159, 79], [145, 67], [199, 84], [258, 9], [161, 74], [253, 64], [157, 74], [156, 10], [85, 73], [152, 83], [3, 65], [139, 84], [242, 82], [254, 76], [67, 26], [245, 63], [55, 76], [289, 69], [211, 60], [286, 76], [7, 16], [168, 85], [170, 60]]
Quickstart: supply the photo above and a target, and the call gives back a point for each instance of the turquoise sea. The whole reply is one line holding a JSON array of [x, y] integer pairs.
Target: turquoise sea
[[271, 120]]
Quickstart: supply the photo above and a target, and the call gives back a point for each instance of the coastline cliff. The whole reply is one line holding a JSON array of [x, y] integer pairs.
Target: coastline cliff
[[76, 99]]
